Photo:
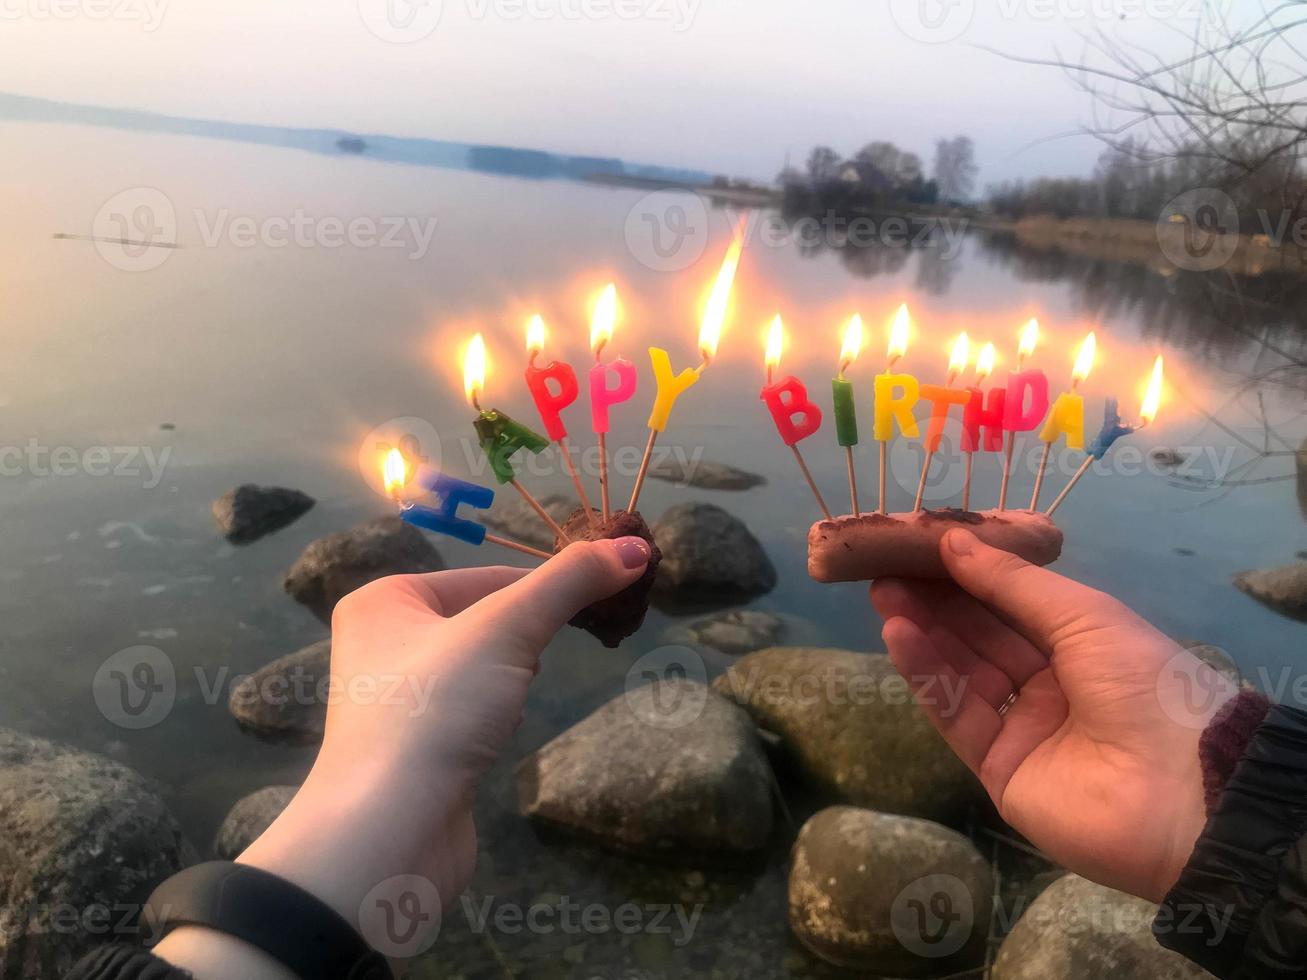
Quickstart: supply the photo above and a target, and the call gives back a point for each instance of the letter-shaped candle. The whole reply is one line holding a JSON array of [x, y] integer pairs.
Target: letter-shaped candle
[[549, 403], [1027, 401], [500, 436], [603, 397], [794, 413], [941, 399], [846, 416], [670, 387], [1067, 417], [896, 395], [444, 519]]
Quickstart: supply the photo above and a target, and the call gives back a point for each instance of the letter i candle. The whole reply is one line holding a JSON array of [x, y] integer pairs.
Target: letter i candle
[[846, 415]]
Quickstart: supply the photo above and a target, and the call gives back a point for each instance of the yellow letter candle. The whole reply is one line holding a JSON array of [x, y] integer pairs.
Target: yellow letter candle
[[1067, 417]]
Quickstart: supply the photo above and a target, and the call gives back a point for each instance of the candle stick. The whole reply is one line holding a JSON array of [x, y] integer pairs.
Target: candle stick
[[1017, 417], [795, 415], [1067, 416], [602, 398], [846, 417], [889, 409], [975, 414], [941, 399], [452, 493], [500, 436], [1113, 430], [550, 404], [670, 386]]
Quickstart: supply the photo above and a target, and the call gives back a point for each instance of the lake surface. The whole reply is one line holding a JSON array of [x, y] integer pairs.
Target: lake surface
[[235, 362]]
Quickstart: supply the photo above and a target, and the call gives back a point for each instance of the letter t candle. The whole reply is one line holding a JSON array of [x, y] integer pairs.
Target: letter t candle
[[941, 399]]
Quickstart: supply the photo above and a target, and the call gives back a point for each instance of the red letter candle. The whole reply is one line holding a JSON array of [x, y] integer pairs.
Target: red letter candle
[[795, 414], [549, 402]]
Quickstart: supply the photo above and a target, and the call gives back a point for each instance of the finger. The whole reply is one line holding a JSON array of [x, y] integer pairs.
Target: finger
[[450, 592], [1041, 604], [531, 610], [993, 686], [944, 604], [970, 725]]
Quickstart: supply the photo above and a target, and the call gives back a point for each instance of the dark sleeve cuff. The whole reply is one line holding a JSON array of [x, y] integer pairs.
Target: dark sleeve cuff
[[1224, 740], [1215, 905], [124, 963]]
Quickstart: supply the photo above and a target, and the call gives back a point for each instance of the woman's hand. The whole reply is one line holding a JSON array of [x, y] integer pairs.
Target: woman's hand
[[1096, 759], [429, 681]]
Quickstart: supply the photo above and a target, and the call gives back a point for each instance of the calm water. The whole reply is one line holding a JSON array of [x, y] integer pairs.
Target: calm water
[[271, 365]]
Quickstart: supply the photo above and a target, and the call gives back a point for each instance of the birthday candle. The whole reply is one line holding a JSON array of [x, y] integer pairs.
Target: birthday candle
[[603, 397], [888, 408], [549, 403], [846, 416], [1113, 429], [499, 435], [941, 398], [794, 413], [452, 493], [670, 386], [1026, 403], [981, 411], [1067, 417]]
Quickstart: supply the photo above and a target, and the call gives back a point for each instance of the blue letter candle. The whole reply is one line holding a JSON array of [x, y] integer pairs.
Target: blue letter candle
[[444, 519]]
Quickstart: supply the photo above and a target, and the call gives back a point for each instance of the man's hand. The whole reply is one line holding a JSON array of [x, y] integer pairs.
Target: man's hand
[[1096, 759]]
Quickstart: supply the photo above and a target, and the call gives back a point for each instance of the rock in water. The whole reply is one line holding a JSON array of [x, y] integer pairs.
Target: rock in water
[[1282, 589], [849, 723], [735, 632], [705, 474], [518, 521], [893, 896], [709, 557], [249, 818], [287, 699], [660, 770], [613, 619], [249, 512], [1076, 928], [80, 836], [333, 567]]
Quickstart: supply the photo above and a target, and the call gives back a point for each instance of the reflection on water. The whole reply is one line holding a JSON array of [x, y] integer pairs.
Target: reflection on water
[[270, 364]]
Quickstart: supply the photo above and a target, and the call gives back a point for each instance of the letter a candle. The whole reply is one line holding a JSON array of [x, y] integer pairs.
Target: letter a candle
[[1068, 415], [550, 403], [671, 386], [846, 416], [888, 409], [500, 436], [794, 413]]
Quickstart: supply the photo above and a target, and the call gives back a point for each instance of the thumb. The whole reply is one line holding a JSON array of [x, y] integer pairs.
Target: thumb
[[1041, 604], [538, 605]]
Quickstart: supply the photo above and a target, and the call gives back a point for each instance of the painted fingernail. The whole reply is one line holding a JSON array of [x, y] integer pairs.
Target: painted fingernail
[[960, 542], [633, 551]]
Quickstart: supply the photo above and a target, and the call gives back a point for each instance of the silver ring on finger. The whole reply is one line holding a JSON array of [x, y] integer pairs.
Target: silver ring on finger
[[1006, 706]]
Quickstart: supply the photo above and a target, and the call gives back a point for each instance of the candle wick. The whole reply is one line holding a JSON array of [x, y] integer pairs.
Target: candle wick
[[599, 349], [531, 359]]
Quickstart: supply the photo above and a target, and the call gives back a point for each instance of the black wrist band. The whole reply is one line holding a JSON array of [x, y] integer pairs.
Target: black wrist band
[[283, 920]]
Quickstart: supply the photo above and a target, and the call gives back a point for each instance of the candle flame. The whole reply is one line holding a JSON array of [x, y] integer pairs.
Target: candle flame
[[1085, 359], [535, 335], [957, 361], [603, 319], [775, 341], [1153, 398], [898, 333], [985, 363], [714, 313], [394, 472], [1029, 339], [852, 342], [474, 370]]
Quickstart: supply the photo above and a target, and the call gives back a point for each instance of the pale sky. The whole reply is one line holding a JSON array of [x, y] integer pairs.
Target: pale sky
[[723, 85]]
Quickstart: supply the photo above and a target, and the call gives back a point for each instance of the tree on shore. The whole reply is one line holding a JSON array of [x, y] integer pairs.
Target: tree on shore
[[955, 168]]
